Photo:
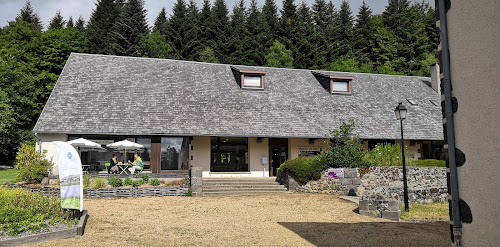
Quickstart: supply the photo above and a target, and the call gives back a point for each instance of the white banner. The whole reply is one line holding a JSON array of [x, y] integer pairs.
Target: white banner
[[70, 176]]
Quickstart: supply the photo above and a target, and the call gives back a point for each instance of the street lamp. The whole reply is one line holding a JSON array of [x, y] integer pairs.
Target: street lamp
[[401, 115]]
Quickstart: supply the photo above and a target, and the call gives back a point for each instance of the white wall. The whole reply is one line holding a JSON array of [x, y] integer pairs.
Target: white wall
[[44, 141]]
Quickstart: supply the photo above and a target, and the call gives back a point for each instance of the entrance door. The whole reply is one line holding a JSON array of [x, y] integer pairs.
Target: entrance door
[[278, 153]]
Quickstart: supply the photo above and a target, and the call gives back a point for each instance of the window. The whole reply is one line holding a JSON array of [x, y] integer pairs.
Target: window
[[341, 84], [229, 154], [253, 81], [412, 101], [249, 79], [174, 153]]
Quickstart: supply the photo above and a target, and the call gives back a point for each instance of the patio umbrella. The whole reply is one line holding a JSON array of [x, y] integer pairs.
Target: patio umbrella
[[85, 145], [125, 145]]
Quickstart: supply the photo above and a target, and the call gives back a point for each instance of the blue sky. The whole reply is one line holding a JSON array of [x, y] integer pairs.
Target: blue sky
[[47, 8]]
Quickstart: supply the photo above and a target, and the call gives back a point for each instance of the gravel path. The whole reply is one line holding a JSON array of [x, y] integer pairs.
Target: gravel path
[[256, 220]]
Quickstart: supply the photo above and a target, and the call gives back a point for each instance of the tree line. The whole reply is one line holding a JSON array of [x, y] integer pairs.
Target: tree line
[[401, 40]]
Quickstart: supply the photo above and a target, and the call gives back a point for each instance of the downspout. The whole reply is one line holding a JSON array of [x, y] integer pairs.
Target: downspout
[[450, 127]]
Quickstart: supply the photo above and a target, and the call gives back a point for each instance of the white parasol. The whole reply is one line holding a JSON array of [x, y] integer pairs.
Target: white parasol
[[125, 145]]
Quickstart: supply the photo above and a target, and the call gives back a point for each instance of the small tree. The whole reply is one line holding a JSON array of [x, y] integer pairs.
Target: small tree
[[279, 56], [32, 165], [345, 149]]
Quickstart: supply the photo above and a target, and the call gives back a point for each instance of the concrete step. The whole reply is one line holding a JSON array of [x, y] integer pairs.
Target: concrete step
[[243, 189], [219, 193], [210, 186], [221, 186]]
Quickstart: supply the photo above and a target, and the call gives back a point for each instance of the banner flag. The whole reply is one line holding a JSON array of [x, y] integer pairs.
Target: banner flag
[[70, 176]]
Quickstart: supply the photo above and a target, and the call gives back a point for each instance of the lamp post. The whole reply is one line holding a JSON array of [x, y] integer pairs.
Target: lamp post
[[401, 115]]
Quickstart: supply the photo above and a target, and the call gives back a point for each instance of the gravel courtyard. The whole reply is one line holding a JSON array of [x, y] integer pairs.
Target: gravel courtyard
[[255, 220]]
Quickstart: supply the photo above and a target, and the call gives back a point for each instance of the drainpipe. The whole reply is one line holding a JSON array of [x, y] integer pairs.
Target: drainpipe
[[450, 128]]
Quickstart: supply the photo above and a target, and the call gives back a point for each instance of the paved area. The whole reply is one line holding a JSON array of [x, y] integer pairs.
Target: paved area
[[289, 219]]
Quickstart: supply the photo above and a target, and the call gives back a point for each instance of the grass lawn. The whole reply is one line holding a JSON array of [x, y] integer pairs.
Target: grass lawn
[[8, 175], [437, 210]]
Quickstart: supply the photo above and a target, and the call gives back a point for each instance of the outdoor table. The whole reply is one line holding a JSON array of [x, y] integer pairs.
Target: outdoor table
[[124, 167]]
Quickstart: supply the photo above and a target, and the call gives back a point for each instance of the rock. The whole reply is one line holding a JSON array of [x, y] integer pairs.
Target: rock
[[45, 181]]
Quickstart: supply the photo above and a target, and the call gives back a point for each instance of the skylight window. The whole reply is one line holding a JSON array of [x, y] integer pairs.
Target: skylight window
[[249, 79], [412, 101], [434, 102]]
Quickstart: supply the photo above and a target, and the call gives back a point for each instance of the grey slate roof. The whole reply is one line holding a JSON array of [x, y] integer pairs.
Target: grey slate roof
[[100, 94]]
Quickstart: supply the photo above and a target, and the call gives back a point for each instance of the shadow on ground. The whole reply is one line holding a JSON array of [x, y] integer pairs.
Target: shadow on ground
[[372, 233]]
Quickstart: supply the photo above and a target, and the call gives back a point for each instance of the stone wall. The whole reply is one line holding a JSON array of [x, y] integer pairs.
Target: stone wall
[[337, 186], [425, 184]]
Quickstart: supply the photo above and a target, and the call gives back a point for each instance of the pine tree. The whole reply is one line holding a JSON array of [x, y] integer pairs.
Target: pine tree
[[100, 25], [70, 22], [57, 22], [220, 21], [320, 14], [331, 33], [345, 29], [279, 56], [239, 33], [270, 13], [363, 30], [193, 44], [306, 41], [29, 15], [129, 28], [257, 43], [206, 25], [288, 25], [176, 28], [161, 22], [80, 24]]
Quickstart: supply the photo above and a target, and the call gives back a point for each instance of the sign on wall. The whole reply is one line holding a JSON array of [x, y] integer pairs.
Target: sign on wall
[[70, 176], [309, 151]]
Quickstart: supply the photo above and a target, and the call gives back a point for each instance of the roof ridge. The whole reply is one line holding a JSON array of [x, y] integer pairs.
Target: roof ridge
[[250, 66]]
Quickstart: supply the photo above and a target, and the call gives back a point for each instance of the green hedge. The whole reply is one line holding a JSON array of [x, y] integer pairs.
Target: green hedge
[[428, 162], [305, 169]]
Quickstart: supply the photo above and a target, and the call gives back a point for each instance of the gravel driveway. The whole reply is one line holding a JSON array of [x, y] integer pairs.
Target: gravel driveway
[[255, 220]]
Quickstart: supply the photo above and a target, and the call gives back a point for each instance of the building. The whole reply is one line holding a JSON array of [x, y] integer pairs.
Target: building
[[230, 120], [472, 120]]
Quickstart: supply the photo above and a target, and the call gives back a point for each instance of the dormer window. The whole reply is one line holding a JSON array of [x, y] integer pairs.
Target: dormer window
[[252, 81], [249, 79], [340, 84], [334, 84]]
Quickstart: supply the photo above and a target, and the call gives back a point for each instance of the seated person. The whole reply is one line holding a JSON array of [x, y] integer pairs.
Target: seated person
[[113, 165], [137, 165]]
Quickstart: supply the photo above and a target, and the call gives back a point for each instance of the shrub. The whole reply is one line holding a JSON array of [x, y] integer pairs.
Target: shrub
[[144, 178], [428, 162], [86, 181], [154, 182], [305, 169], [127, 182], [21, 210], [136, 183], [99, 183], [346, 149], [32, 165], [385, 155], [186, 181], [115, 182]]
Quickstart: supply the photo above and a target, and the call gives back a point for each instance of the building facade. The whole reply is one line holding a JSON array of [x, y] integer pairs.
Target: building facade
[[230, 120], [474, 64]]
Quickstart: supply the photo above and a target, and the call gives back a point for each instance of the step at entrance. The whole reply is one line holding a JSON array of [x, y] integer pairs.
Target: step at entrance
[[225, 186]]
